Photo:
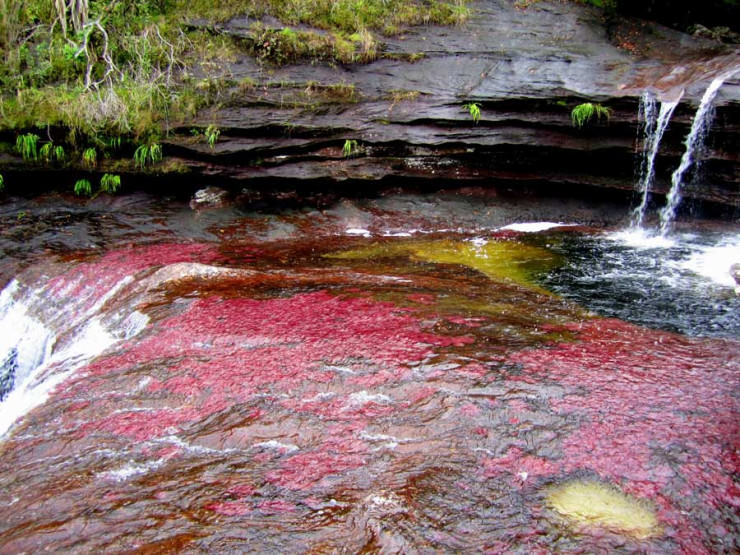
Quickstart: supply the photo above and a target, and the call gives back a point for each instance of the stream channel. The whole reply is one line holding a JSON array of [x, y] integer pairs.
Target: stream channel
[[408, 373]]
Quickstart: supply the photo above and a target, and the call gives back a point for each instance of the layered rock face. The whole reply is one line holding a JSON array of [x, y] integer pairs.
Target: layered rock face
[[404, 118]]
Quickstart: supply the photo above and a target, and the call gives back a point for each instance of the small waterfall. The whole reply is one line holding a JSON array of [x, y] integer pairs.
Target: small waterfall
[[50, 330], [694, 142], [653, 129]]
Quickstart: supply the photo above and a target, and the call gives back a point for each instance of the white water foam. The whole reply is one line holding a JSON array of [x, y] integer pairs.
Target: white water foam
[[714, 262], [358, 232], [33, 321], [639, 238], [533, 227]]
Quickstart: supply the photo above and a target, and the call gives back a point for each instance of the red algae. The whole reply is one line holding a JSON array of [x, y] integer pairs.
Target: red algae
[[222, 352], [637, 395]]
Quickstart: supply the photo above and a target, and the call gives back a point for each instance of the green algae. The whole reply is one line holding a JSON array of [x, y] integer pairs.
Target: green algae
[[593, 503], [504, 261]]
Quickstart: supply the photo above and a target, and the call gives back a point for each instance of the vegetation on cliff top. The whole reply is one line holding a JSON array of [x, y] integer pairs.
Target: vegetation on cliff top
[[79, 71]]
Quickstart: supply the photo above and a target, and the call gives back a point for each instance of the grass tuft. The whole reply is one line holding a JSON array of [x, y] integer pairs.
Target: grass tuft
[[147, 154], [26, 146], [110, 183], [83, 188], [473, 109], [583, 113]]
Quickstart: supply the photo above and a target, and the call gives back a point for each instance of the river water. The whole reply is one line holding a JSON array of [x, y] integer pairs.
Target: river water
[[398, 375]]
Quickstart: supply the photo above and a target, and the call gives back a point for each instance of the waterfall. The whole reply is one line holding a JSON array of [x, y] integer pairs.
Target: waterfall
[[694, 142], [653, 129], [50, 330]]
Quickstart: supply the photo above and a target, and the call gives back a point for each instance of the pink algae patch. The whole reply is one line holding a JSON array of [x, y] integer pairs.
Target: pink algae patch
[[229, 508], [305, 470], [222, 352], [517, 462], [117, 264], [639, 394]]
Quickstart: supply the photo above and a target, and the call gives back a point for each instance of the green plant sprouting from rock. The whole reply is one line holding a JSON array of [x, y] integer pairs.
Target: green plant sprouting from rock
[[110, 183], [83, 188], [2, 182], [583, 113], [473, 109], [212, 134], [26, 146], [351, 148], [90, 157], [147, 154], [49, 152]]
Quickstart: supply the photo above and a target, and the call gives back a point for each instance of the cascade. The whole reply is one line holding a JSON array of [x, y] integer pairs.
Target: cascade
[[653, 129], [50, 330], [694, 142]]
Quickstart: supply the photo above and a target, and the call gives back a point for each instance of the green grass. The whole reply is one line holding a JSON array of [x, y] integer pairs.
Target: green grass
[[347, 16], [583, 113], [212, 134], [90, 157]]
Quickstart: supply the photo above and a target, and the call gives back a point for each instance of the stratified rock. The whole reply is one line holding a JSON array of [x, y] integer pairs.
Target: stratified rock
[[526, 70]]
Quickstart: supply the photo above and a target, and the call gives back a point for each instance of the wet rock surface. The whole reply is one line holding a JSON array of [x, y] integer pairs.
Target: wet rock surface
[[526, 68], [359, 378]]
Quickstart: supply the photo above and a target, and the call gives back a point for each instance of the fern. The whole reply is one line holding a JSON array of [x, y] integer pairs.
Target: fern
[[90, 157], [212, 134], [83, 187], [26, 146], [59, 154], [110, 183], [473, 109], [350, 148], [2, 182], [583, 113], [147, 154]]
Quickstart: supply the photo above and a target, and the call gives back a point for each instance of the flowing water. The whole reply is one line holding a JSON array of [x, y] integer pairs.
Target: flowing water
[[694, 144], [653, 127], [404, 374]]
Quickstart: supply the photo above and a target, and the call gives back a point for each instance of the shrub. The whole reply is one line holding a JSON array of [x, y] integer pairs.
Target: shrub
[[583, 113], [83, 187]]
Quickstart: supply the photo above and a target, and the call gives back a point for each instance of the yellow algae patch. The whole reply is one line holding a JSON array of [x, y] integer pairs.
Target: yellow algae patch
[[596, 504], [508, 261]]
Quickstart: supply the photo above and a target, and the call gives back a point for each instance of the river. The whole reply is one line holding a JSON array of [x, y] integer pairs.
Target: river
[[411, 373]]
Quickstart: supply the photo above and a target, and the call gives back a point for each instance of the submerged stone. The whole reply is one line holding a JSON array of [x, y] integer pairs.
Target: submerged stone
[[600, 505]]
